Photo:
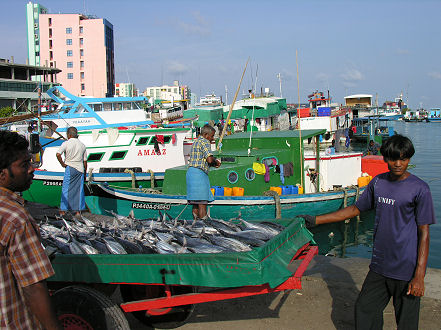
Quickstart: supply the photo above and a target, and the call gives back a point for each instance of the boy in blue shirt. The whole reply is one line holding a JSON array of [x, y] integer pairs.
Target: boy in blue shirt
[[403, 212]]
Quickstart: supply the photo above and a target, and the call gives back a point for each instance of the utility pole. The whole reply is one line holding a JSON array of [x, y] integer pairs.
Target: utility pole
[[279, 76]]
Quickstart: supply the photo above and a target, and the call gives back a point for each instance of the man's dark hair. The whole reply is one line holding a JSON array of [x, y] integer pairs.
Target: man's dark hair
[[11, 144], [72, 131], [207, 129], [397, 147]]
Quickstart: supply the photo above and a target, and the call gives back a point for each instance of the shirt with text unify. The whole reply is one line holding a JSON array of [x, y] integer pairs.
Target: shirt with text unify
[[400, 207], [200, 151], [22, 262]]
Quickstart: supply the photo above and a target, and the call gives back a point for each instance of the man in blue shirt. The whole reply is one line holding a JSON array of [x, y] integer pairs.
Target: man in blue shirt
[[403, 212], [198, 184]]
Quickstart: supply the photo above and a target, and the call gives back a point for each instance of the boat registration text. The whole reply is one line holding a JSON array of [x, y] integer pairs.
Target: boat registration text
[[150, 206]]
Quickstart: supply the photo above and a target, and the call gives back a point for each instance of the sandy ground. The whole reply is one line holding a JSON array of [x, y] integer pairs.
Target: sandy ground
[[326, 300]]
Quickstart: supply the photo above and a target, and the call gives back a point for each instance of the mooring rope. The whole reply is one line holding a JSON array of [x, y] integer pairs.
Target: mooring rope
[[276, 201]]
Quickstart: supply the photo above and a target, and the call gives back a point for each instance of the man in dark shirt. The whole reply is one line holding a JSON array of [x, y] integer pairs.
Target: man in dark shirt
[[403, 212]]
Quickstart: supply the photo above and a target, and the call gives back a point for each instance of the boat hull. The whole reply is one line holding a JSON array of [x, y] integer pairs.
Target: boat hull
[[146, 205], [46, 186]]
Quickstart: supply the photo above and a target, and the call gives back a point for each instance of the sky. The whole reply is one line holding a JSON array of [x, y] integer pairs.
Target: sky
[[378, 47]]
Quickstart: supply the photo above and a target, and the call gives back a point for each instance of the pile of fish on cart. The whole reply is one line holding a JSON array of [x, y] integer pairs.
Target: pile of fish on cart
[[163, 267]]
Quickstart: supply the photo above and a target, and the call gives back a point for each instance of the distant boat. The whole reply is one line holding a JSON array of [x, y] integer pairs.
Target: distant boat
[[209, 100], [434, 115], [369, 128], [391, 110], [415, 116]]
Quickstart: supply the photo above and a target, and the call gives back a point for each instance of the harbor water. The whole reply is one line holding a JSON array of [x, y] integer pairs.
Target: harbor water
[[355, 239]]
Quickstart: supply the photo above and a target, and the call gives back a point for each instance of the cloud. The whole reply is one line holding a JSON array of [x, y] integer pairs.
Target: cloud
[[434, 75], [351, 76], [176, 67], [198, 26]]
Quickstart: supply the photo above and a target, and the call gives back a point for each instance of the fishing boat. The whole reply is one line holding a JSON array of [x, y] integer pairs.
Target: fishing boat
[[133, 158], [415, 115], [434, 115], [312, 181], [391, 110], [322, 114], [369, 128]]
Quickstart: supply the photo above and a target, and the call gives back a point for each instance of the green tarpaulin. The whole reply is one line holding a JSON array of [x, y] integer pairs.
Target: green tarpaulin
[[266, 264]]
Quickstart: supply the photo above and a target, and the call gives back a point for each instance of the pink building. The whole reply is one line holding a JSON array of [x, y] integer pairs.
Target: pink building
[[82, 47]]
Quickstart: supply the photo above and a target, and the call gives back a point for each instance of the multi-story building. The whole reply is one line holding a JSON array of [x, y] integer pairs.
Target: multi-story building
[[169, 93], [19, 84], [80, 45], [33, 11], [125, 90]]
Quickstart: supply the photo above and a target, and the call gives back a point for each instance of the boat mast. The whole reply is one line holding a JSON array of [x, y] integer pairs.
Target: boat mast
[[254, 106], [279, 75], [298, 119], [231, 108], [39, 107]]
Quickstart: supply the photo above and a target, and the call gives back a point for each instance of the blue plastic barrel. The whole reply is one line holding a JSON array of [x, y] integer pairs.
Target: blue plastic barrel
[[218, 191], [285, 190], [292, 189]]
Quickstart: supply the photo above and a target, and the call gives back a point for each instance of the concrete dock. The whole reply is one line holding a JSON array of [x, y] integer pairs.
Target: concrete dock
[[326, 300]]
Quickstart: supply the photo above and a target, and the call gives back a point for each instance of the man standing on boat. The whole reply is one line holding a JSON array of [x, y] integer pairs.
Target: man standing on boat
[[403, 212], [75, 164], [24, 265], [198, 184], [373, 148]]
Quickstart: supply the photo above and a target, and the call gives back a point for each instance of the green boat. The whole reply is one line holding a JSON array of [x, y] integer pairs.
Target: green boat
[[328, 181]]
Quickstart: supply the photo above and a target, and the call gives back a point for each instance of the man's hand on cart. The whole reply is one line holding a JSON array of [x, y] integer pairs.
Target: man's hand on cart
[[309, 220]]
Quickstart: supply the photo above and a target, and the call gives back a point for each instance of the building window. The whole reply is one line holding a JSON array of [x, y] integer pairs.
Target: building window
[[70, 64], [81, 29], [69, 42], [83, 87], [50, 44], [81, 52], [81, 41], [50, 33], [50, 21], [82, 75], [70, 76], [69, 53], [51, 55], [37, 53], [68, 30], [81, 64]]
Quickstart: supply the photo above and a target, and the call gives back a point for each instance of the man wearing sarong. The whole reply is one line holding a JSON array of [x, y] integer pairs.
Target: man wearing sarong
[[75, 164], [198, 184]]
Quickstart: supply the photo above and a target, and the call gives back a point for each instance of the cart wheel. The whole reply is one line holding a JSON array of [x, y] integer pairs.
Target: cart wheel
[[85, 308], [167, 318]]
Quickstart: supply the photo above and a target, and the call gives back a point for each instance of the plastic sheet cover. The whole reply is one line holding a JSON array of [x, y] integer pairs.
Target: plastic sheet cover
[[266, 264]]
